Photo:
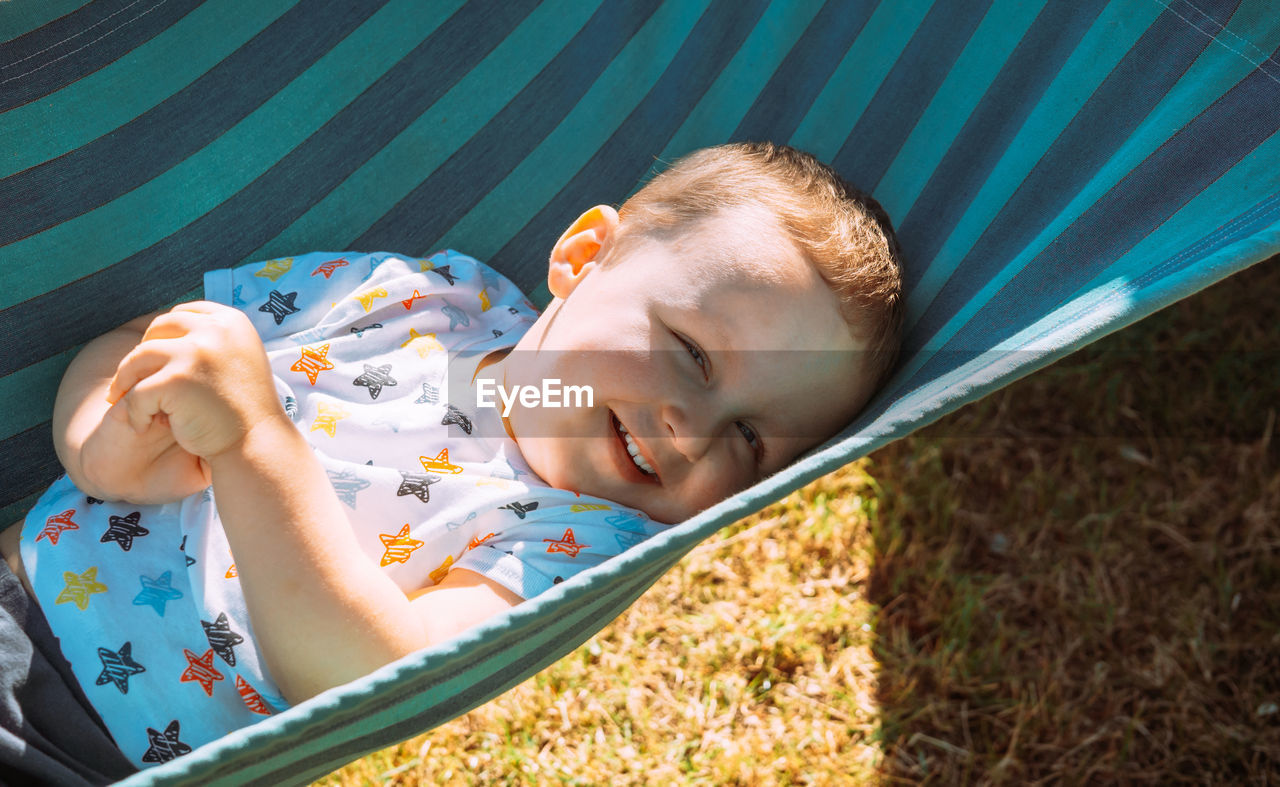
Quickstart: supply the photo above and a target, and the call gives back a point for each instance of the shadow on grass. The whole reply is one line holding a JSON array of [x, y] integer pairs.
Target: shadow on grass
[[1077, 576]]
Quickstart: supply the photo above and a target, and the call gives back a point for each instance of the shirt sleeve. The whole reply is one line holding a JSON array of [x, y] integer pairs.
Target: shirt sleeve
[[538, 553]]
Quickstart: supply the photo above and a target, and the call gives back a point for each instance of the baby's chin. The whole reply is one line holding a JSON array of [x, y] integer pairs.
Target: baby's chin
[[560, 475]]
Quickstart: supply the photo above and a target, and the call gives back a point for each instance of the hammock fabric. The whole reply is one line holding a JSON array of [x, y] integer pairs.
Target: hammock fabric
[[1056, 171]]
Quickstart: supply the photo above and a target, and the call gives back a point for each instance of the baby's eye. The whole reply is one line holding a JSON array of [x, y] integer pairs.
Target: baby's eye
[[698, 356], [753, 440]]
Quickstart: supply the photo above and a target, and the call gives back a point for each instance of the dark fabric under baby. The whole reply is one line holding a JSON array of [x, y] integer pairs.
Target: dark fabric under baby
[[49, 734]]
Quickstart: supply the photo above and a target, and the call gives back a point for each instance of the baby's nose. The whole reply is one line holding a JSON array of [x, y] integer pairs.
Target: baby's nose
[[690, 428]]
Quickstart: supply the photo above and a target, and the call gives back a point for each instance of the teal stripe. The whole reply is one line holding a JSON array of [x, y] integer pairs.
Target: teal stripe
[[197, 185], [721, 108], [28, 394], [1233, 194], [854, 82], [968, 81], [1186, 100], [115, 95], [17, 511], [429, 141], [730, 97], [506, 209], [972, 381], [1215, 70], [1249, 37], [1107, 41], [22, 16]]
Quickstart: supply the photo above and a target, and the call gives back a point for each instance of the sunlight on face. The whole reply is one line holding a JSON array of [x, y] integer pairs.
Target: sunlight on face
[[716, 357]]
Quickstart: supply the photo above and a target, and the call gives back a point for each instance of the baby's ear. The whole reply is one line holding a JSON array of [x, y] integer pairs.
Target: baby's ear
[[580, 248]]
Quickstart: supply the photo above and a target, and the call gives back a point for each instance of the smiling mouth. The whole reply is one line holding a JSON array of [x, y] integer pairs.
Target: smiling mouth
[[633, 451]]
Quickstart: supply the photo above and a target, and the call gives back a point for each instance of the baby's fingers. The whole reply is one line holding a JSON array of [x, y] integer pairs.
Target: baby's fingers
[[142, 361], [143, 402], [172, 325], [201, 307]]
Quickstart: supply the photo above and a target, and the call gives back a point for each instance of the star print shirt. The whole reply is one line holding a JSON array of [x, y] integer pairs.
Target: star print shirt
[[367, 351]]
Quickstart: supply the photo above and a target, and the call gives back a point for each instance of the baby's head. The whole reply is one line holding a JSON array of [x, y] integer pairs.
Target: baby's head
[[733, 313]]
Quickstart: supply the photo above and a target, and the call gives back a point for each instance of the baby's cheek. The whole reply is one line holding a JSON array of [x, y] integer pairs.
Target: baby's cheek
[[719, 484]]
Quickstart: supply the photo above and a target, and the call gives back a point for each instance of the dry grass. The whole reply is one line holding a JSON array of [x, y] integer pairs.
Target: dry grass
[[1074, 580]]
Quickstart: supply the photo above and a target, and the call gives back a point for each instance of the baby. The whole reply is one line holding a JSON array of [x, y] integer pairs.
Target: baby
[[286, 486]]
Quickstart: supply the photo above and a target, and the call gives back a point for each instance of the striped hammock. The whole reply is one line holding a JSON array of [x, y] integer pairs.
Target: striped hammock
[[1057, 170]]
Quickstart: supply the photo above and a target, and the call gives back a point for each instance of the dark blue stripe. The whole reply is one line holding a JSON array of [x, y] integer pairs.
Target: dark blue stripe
[[1190, 161], [1136, 84], [56, 30], [53, 56], [116, 163], [798, 80], [423, 216], [905, 92], [273, 201], [624, 158], [30, 463], [986, 135]]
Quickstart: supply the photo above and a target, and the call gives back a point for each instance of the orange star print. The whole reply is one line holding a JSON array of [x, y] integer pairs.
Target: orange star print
[[313, 362], [477, 541], [329, 267], [567, 544], [201, 670], [398, 547], [408, 302], [56, 524], [252, 699]]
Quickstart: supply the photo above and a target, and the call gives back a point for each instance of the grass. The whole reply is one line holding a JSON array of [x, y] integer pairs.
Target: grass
[[1074, 580]]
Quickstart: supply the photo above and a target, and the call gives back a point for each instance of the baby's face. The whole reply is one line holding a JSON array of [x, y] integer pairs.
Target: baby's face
[[717, 358]]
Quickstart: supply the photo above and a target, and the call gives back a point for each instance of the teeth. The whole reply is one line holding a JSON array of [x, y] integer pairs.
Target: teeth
[[635, 452]]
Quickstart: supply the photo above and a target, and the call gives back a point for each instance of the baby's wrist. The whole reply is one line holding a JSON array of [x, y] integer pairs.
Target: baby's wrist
[[269, 435]]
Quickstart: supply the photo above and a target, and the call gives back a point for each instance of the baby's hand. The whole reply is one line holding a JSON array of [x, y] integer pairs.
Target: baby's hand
[[148, 468], [202, 367]]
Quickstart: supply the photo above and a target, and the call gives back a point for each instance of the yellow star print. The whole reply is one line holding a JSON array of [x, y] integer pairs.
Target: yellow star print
[[578, 508], [366, 297], [274, 269], [398, 547], [312, 362], [484, 300], [424, 343], [425, 265], [327, 418], [440, 464], [440, 573], [80, 587]]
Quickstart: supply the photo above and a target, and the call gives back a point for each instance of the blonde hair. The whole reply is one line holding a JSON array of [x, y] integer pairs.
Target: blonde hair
[[844, 233]]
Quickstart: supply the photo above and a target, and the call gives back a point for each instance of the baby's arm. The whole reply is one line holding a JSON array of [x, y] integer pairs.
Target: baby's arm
[[102, 454], [323, 612]]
